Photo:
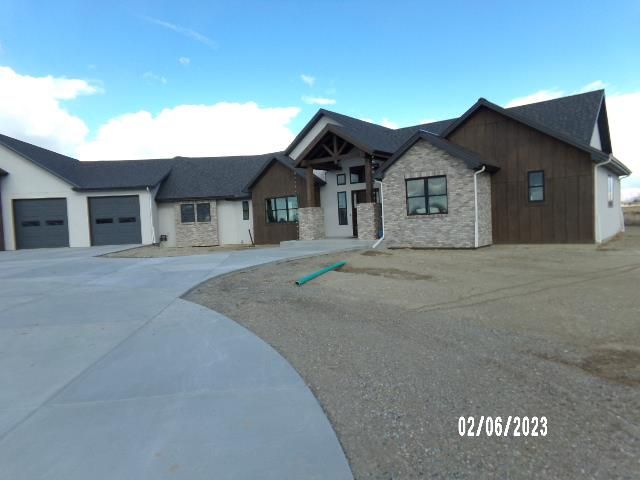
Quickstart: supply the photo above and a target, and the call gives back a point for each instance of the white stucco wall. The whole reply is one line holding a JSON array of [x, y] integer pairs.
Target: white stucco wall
[[609, 220], [167, 224], [309, 137], [232, 229], [329, 199], [28, 181], [595, 138]]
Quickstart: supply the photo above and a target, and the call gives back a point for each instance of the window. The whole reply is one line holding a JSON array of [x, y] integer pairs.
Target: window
[[127, 220], [204, 212], [610, 187], [356, 174], [102, 221], [53, 223], [245, 209], [282, 209], [342, 208], [536, 186], [427, 196], [341, 179], [187, 213], [30, 223]]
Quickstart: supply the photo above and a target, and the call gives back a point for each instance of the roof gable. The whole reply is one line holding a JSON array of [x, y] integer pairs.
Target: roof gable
[[596, 155], [285, 161], [471, 159]]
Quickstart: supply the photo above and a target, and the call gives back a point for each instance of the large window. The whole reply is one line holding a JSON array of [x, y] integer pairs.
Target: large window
[[610, 187], [282, 209], [341, 179], [536, 186], [427, 196], [245, 210], [342, 208], [356, 174], [189, 212]]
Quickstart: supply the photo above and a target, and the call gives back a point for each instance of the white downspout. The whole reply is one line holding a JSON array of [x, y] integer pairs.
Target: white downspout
[[475, 200], [598, 230], [379, 241], [153, 228]]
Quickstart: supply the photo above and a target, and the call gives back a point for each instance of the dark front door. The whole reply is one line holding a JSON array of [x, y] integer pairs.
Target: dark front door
[[359, 196], [41, 223], [115, 220]]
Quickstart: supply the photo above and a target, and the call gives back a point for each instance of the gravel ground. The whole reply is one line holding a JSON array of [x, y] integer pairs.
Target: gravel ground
[[400, 344], [152, 251]]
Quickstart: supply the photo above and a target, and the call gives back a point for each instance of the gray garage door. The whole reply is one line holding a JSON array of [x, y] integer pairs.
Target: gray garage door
[[41, 223], [115, 220]]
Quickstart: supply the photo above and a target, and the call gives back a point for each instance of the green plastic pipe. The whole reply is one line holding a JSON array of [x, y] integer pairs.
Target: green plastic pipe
[[303, 280]]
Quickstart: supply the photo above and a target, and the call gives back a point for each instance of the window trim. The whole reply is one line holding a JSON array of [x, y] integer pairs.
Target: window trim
[[344, 179], [345, 208], [287, 209], [543, 186], [245, 209], [426, 194]]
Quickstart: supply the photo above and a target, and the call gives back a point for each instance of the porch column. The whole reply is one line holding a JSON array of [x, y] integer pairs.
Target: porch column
[[311, 190], [368, 179]]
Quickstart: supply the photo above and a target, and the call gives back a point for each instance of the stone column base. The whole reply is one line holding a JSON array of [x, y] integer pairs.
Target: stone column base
[[368, 221], [310, 223]]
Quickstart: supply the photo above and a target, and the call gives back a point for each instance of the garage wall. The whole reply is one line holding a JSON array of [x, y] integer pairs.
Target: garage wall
[[167, 224], [27, 180], [232, 229]]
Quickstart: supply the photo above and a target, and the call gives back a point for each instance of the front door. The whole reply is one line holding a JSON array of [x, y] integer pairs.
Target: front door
[[359, 196]]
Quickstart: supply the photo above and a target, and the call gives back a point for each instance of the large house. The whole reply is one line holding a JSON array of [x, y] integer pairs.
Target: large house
[[539, 173]]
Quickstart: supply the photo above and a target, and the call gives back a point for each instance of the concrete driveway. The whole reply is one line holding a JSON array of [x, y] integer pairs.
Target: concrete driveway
[[106, 374]]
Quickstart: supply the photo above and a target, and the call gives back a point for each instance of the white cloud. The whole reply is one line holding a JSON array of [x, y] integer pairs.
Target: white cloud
[[589, 87], [187, 32], [318, 100], [31, 108], [388, 123], [193, 130], [539, 96], [154, 77], [308, 79], [184, 61]]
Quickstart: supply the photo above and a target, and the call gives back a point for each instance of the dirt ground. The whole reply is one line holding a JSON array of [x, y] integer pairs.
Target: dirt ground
[[400, 343], [152, 251]]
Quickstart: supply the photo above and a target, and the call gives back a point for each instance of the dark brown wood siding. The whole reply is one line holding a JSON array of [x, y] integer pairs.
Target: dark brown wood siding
[[276, 181], [566, 215]]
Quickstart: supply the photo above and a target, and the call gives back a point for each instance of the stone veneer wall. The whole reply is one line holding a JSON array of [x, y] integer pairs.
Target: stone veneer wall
[[311, 223], [454, 229], [197, 234], [368, 221]]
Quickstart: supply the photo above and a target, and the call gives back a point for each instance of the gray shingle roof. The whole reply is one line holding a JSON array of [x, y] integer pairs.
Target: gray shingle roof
[[122, 174], [471, 159], [211, 177], [285, 160]]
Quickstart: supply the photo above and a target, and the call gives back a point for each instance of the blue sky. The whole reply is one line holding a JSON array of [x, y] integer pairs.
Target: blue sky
[[394, 62]]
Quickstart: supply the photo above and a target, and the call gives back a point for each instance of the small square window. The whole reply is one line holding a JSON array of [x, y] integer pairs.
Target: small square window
[[427, 196], [204, 212], [356, 174], [341, 179], [187, 213]]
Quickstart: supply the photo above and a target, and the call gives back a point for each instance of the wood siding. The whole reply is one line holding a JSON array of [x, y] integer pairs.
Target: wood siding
[[567, 213], [276, 181]]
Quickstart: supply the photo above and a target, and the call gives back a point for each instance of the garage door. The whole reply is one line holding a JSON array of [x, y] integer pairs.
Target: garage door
[[115, 220], [41, 223]]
